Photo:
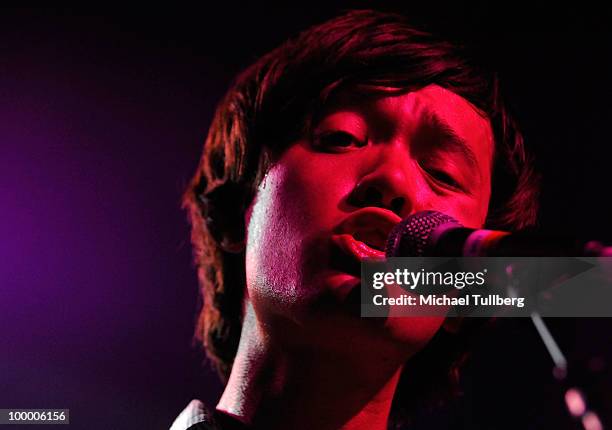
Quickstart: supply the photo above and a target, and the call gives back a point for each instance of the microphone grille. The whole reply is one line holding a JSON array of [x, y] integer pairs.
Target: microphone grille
[[411, 236]]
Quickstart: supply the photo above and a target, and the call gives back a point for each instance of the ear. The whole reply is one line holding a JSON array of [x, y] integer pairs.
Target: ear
[[452, 324], [231, 245], [228, 231], [223, 213]]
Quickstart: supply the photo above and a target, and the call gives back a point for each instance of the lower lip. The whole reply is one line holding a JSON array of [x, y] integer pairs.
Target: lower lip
[[357, 248]]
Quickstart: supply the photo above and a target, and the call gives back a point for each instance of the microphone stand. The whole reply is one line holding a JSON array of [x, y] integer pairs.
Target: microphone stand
[[575, 399]]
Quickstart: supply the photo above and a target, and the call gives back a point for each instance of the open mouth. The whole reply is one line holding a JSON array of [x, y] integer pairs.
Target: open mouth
[[363, 234], [374, 239]]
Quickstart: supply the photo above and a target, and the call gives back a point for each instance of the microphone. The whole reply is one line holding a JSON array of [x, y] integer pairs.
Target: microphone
[[434, 234]]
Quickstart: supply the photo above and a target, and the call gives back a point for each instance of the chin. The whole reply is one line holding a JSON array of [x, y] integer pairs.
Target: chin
[[414, 333]]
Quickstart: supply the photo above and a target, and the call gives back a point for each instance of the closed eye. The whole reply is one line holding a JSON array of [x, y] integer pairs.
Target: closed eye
[[443, 178]]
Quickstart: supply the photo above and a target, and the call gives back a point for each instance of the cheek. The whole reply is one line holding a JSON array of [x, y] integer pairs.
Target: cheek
[[471, 211], [296, 206], [412, 333], [475, 211], [269, 229], [468, 211], [309, 188], [317, 182]]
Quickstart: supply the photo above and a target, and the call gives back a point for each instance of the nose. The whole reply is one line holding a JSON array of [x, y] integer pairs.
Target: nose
[[390, 185]]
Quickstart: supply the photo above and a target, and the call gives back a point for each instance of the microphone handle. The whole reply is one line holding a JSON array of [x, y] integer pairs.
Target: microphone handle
[[470, 242]]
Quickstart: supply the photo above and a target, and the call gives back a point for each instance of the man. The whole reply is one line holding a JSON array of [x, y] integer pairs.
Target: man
[[315, 153]]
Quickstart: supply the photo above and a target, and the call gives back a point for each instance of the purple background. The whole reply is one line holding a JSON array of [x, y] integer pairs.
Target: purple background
[[102, 116]]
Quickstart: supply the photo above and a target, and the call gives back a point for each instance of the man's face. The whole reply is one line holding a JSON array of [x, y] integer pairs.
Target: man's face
[[332, 198]]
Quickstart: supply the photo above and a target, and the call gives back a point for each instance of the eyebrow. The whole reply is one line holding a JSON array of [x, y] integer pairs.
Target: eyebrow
[[451, 140]]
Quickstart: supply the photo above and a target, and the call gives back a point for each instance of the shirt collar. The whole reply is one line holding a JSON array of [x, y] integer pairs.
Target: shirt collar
[[194, 413]]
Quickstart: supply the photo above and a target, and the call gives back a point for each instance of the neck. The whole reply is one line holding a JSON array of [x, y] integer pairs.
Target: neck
[[273, 387]]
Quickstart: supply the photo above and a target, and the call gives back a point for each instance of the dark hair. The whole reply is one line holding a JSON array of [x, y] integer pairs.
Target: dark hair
[[269, 106]]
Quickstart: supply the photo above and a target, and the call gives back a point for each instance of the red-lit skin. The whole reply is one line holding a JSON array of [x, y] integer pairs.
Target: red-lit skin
[[305, 359]]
